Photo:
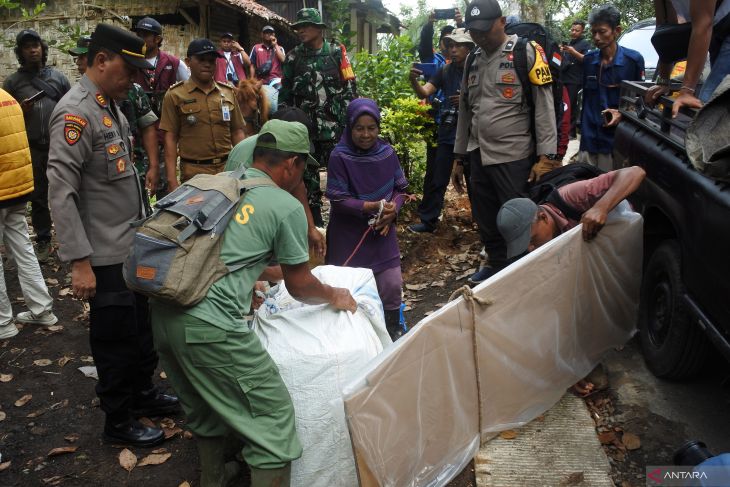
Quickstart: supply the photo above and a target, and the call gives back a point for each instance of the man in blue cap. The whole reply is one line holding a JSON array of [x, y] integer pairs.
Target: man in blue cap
[[95, 195]]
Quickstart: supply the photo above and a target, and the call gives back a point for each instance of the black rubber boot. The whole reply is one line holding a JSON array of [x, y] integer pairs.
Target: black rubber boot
[[392, 323]]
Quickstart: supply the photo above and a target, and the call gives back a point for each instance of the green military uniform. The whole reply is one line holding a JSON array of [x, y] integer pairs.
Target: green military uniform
[[314, 80], [138, 111], [203, 121], [226, 380]]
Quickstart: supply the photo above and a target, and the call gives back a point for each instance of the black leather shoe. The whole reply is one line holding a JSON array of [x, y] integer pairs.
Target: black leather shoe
[[154, 403], [132, 432]]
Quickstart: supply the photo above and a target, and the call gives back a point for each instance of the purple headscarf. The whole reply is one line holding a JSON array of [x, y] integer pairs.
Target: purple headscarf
[[357, 108]]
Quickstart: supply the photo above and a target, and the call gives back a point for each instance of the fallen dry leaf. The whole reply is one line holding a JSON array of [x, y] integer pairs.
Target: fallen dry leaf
[[438, 284], [184, 484], [170, 432], [54, 328], [4, 466], [574, 478], [55, 480], [87, 358], [416, 287], [71, 438], [3, 415], [6, 377], [23, 400], [154, 459], [147, 422], [631, 441], [606, 438], [59, 405], [37, 413], [187, 435], [63, 361], [62, 450], [167, 423], [127, 460], [163, 375], [508, 435], [42, 362], [159, 450], [65, 291], [51, 281]]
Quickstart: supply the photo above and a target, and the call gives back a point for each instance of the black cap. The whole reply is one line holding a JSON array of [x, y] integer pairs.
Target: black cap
[[122, 42], [150, 25], [268, 28], [202, 46], [481, 14], [227, 34], [27, 34]]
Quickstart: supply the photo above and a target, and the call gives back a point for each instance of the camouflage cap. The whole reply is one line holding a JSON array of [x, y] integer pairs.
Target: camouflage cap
[[82, 46], [309, 16]]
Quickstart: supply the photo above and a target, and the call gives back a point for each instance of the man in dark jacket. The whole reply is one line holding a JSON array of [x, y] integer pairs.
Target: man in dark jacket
[[37, 88], [571, 69]]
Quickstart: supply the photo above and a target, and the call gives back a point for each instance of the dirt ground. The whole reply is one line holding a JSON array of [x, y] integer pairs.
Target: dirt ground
[[50, 421], [63, 411]]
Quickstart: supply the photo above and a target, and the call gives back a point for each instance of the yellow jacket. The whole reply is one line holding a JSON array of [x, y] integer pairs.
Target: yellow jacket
[[15, 164]]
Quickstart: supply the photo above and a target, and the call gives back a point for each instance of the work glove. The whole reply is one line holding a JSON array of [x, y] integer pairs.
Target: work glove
[[542, 167]]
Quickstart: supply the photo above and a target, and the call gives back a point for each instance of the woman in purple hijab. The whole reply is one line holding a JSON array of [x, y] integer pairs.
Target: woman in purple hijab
[[365, 180]]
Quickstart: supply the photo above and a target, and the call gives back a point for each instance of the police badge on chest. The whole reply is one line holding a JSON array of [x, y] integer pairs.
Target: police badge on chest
[[191, 119]]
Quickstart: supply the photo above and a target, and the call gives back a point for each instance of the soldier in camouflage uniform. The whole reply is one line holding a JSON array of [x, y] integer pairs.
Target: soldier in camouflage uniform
[[141, 118], [318, 78]]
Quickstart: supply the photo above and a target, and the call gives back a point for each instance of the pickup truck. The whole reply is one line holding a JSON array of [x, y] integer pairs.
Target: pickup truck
[[685, 292]]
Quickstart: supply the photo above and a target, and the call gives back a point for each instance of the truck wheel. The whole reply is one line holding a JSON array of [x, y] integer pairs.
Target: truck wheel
[[674, 347]]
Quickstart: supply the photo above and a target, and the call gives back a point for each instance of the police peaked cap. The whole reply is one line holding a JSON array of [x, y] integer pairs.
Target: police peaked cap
[[122, 42]]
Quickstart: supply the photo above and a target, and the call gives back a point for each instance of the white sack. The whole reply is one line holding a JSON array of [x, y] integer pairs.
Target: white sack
[[413, 413], [318, 349]]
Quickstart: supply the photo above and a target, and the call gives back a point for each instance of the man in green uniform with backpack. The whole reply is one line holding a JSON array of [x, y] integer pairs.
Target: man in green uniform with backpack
[[227, 382]]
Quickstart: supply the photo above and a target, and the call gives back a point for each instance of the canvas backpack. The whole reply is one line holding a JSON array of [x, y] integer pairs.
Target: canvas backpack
[[546, 189], [176, 255]]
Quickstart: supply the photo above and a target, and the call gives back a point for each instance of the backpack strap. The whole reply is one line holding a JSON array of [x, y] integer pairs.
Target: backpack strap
[[523, 72], [569, 211]]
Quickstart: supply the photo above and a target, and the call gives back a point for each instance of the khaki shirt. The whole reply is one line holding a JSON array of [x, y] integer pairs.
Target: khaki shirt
[[198, 119], [495, 117], [93, 188]]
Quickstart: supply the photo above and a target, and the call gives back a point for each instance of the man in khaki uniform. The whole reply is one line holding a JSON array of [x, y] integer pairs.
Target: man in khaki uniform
[[200, 117], [502, 124]]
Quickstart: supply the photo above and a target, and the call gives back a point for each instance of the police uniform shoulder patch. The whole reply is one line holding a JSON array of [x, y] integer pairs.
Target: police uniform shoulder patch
[[73, 128], [509, 46], [175, 85], [540, 72], [101, 100]]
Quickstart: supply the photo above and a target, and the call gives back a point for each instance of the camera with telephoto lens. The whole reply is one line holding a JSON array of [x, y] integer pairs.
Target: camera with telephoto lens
[[448, 117], [264, 70]]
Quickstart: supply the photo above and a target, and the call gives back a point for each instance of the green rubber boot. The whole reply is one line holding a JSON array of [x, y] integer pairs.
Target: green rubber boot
[[277, 477], [214, 472]]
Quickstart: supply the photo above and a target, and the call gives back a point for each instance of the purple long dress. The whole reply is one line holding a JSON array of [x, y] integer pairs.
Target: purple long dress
[[355, 176]]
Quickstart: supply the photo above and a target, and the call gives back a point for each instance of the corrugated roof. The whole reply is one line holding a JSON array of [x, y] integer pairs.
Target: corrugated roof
[[257, 9]]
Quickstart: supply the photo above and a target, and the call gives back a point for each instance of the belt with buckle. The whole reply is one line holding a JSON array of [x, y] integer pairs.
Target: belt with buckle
[[217, 160]]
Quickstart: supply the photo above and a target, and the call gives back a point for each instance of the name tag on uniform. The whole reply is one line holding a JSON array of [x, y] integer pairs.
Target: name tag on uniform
[[226, 113]]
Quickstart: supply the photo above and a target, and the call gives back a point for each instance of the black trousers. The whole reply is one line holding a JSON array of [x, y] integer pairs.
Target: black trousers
[[491, 187], [121, 343], [40, 216], [573, 90], [435, 182]]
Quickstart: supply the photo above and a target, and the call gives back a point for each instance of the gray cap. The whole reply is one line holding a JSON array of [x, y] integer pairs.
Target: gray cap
[[514, 221], [268, 28]]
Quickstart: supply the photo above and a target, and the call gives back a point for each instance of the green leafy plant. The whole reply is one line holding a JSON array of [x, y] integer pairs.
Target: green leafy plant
[[383, 75], [409, 127]]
